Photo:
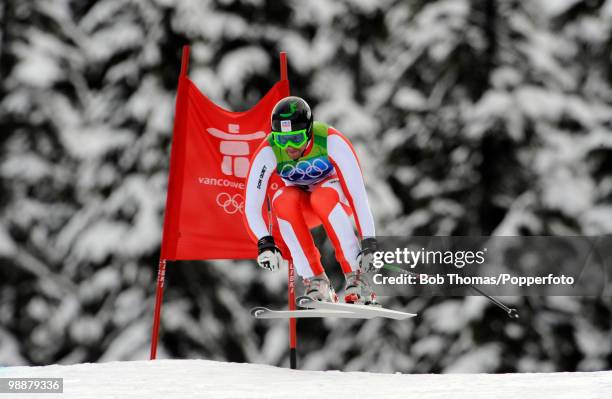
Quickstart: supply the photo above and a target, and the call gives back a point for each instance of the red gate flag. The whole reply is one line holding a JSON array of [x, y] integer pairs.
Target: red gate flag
[[209, 162], [211, 151]]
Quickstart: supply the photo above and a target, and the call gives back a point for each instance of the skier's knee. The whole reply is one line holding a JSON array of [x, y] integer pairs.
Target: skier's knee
[[323, 200], [286, 203]]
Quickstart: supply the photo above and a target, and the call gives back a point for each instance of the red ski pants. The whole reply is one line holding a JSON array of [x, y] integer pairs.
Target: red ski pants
[[297, 210]]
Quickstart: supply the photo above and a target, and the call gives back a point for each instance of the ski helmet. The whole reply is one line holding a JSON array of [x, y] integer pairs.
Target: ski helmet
[[292, 114]]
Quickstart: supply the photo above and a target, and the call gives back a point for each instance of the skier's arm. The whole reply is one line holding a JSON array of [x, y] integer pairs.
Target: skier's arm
[[343, 157], [262, 166]]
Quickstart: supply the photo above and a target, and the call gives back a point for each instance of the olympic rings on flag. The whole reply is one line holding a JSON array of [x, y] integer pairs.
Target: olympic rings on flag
[[230, 204]]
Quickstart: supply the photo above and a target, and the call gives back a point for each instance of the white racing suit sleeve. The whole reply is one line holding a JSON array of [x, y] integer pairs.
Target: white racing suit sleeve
[[343, 156], [262, 167]]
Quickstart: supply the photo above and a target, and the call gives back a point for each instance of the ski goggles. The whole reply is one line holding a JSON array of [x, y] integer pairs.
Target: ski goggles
[[295, 139]]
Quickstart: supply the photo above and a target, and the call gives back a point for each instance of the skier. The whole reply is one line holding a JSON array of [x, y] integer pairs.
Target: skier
[[323, 185]]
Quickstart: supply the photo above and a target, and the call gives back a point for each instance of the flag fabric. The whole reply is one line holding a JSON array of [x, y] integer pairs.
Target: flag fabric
[[210, 157]]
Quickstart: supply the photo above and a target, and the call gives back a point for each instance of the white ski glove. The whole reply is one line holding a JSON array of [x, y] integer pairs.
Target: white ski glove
[[269, 257], [365, 258]]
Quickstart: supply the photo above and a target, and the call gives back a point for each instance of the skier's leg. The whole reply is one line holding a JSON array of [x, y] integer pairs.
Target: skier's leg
[[294, 218], [290, 208], [329, 203]]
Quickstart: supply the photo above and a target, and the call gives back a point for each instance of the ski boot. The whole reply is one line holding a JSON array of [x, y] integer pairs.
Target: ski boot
[[357, 290], [319, 289]]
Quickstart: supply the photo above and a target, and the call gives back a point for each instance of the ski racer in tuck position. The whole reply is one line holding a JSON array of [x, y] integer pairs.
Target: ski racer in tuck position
[[324, 185]]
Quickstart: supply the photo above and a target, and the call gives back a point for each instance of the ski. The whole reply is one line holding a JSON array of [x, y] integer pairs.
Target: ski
[[365, 311], [265, 313]]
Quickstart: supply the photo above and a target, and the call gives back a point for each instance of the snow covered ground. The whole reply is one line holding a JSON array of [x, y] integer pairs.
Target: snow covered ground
[[174, 379]]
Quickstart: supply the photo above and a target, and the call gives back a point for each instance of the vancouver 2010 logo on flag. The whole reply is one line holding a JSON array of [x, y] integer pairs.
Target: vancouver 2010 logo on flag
[[235, 149]]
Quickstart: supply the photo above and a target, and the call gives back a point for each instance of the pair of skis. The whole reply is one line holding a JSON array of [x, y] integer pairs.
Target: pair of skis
[[312, 308]]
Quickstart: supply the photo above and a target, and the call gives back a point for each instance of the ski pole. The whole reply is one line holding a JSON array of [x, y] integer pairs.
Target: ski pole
[[512, 312]]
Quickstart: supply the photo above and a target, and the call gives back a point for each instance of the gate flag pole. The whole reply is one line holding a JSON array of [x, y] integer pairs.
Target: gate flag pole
[[161, 272], [290, 269]]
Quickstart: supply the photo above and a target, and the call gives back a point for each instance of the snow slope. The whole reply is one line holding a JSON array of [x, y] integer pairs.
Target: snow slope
[[174, 379]]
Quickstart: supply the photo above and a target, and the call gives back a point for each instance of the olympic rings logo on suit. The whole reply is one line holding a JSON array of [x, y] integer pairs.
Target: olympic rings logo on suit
[[305, 169], [230, 204]]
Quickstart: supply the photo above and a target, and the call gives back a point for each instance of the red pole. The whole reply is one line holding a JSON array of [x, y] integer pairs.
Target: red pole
[[185, 61], [161, 275], [283, 65], [292, 321], [169, 227], [290, 269]]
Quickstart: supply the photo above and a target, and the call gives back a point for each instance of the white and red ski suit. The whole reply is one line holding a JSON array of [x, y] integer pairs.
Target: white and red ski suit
[[326, 189]]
